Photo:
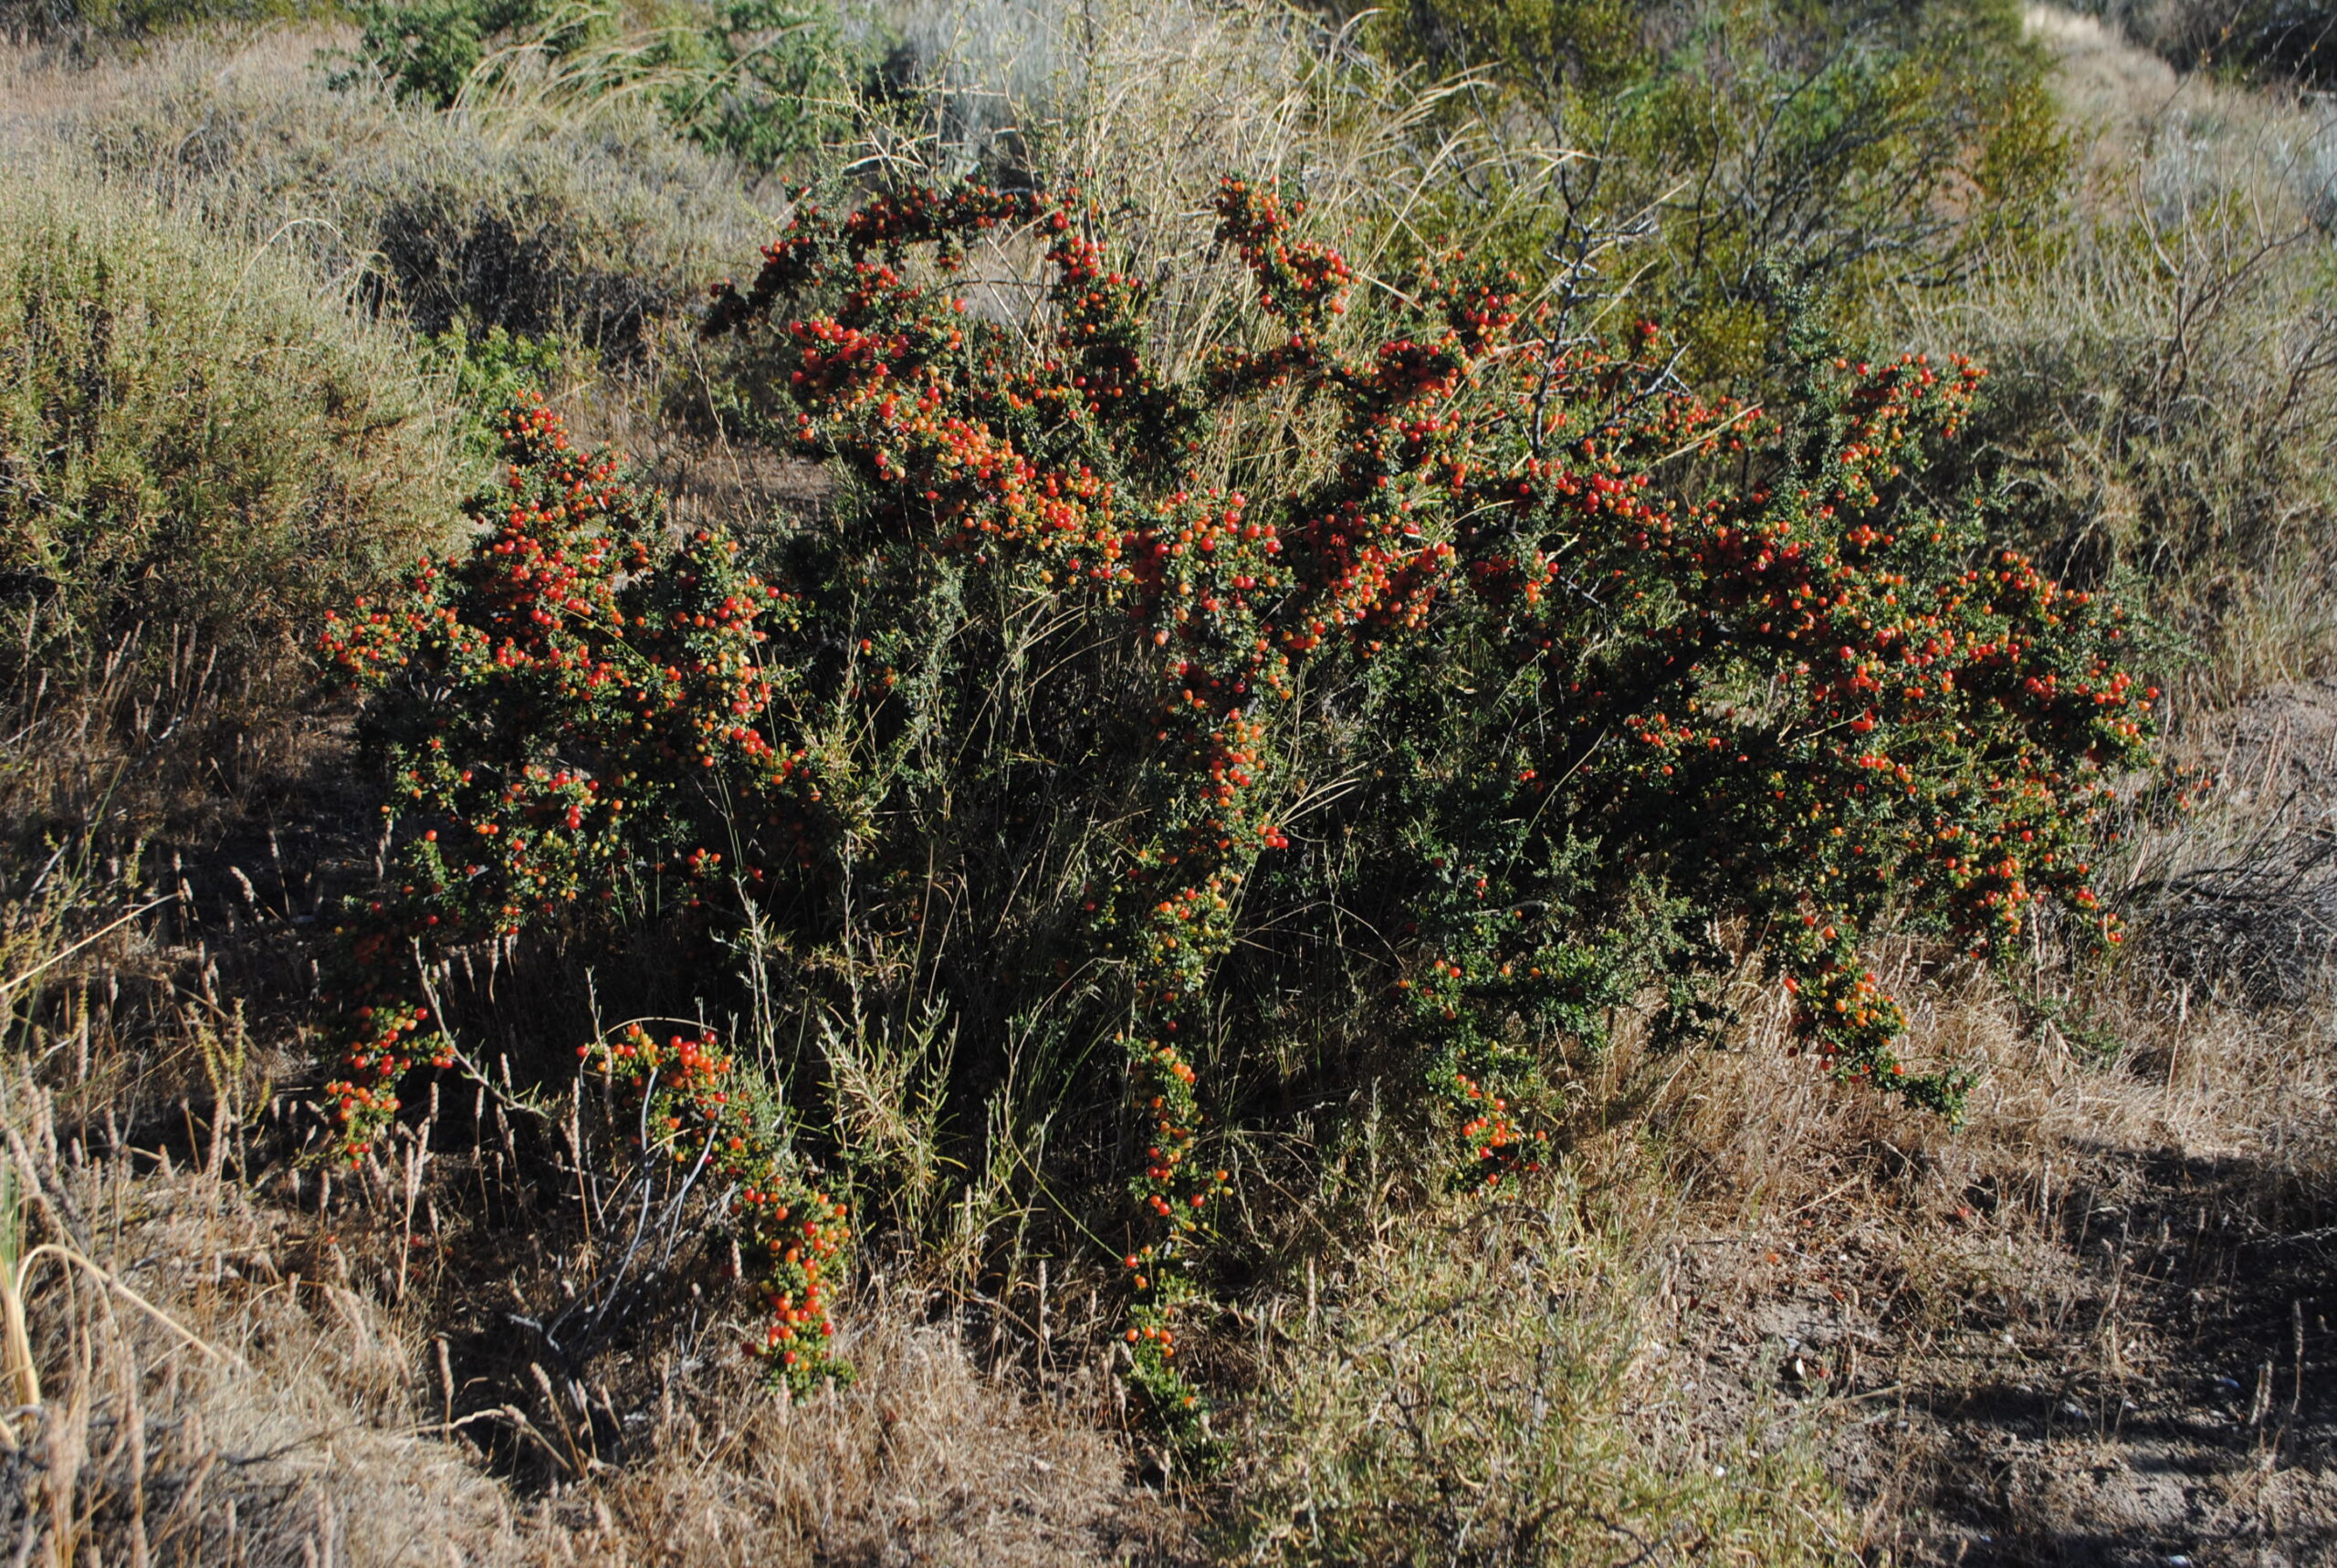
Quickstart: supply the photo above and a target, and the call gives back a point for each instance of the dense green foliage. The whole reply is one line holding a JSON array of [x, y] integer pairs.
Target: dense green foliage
[[429, 50]]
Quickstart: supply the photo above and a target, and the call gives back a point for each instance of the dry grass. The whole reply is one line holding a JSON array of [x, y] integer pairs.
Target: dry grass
[[2165, 373], [309, 1420], [2091, 1321], [1494, 1382]]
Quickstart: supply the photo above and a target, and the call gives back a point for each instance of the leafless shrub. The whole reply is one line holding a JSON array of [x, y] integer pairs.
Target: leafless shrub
[[2163, 376]]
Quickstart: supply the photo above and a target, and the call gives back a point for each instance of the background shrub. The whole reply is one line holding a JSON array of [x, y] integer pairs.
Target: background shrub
[[757, 80], [84, 27], [431, 51], [477, 220], [1699, 164], [761, 81], [191, 437]]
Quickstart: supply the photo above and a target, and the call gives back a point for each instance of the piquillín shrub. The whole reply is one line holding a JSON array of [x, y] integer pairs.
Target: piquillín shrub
[[1530, 687]]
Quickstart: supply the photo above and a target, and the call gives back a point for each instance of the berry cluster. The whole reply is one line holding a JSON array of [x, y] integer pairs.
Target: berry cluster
[[565, 718], [685, 1105]]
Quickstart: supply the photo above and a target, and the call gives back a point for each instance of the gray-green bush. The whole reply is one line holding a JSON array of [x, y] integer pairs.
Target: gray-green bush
[[192, 435], [595, 227]]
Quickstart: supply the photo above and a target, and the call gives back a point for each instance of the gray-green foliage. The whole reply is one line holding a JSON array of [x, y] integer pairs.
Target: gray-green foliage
[[597, 236], [192, 435]]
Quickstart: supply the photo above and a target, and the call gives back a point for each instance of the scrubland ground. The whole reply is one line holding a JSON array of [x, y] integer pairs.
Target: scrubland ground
[[2083, 1329], [1753, 1316]]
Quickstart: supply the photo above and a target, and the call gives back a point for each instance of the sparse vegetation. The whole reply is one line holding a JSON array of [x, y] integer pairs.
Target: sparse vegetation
[[756, 81], [1195, 836]]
